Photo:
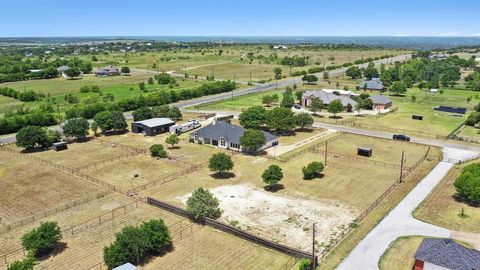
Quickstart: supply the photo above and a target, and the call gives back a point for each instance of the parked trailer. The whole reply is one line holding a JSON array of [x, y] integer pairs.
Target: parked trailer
[[181, 128]]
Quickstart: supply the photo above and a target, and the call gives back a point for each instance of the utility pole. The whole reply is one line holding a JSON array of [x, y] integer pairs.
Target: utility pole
[[326, 151], [401, 167], [314, 261], [250, 78]]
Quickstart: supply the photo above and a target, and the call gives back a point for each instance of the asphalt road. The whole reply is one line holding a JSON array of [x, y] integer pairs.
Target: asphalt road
[[241, 92]]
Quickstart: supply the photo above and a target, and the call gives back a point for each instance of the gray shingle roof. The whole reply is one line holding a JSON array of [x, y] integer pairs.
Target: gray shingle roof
[[374, 84], [449, 254], [155, 122], [231, 133], [380, 99], [326, 98]]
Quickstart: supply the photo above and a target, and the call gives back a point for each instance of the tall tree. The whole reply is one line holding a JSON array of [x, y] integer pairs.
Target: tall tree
[[335, 107], [281, 119], [76, 127], [272, 175], [252, 139], [220, 162], [253, 117]]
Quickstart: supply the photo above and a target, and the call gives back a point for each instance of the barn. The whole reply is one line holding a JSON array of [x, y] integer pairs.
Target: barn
[[152, 127]]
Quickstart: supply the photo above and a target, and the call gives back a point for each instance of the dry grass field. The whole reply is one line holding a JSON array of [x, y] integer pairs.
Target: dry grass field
[[80, 154], [29, 187], [134, 171], [443, 208], [211, 249], [399, 256]]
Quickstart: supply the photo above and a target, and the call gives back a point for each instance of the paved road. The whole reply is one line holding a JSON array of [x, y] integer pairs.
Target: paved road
[[279, 84], [387, 135], [400, 222], [254, 89]]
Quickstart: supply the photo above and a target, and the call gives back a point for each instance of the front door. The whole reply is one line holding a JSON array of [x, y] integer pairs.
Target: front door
[[215, 142]]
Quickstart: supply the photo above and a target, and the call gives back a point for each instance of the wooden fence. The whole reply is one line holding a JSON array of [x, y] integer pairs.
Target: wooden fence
[[52, 211], [104, 162], [234, 231]]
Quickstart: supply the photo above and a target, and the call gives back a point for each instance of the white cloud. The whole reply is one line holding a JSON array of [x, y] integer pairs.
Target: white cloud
[[448, 34]]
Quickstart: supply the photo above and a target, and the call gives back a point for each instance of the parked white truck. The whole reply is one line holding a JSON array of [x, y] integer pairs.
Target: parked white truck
[[180, 128]]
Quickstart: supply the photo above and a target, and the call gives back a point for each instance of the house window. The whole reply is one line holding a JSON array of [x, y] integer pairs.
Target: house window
[[222, 142], [196, 136], [234, 145]]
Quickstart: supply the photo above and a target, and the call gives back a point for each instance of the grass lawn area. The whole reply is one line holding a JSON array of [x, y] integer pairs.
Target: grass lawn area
[[242, 71], [65, 86], [212, 249], [39, 187], [8, 103], [470, 133], [442, 208], [434, 122], [80, 154]]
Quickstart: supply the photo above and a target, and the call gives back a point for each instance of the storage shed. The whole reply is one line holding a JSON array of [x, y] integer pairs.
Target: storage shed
[[152, 127], [364, 151], [59, 146]]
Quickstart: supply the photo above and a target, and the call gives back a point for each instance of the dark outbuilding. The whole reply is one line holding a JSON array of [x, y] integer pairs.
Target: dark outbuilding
[[152, 127], [451, 109], [364, 151], [59, 146]]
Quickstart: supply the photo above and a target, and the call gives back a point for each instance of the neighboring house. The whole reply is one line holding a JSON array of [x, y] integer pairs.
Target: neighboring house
[[152, 127], [62, 70], [373, 85], [225, 135], [108, 71], [438, 254], [326, 98], [278, 47], [126, 266], [381, 102], [437, 56], [344, 93]]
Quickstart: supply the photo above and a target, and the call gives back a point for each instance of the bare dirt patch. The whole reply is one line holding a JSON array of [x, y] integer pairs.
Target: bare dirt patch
[[281, 218]]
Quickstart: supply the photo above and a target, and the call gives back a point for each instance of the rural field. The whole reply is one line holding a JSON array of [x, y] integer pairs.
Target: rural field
[[442, 207]]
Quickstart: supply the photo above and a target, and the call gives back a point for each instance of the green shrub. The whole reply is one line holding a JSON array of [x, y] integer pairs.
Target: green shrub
[[313, 170], [26, 264], [157, 150], [42, 240], [203, 204], [468, 183]]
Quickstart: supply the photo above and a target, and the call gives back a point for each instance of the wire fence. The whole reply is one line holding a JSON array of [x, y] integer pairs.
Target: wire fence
[[343, 233]]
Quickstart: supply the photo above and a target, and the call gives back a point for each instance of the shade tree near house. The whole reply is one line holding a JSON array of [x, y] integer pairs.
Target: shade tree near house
[[142, 113], [253, 117], [76, 128], [136, 244], [280, 119], [72, 72], [398, 88], [304, 120], [203, 204], [42, 240], [309, 78], [172, 139], [220, 163], [272, 175], [252, 139], [354, 72], [288, 99], [335, 107], [316, 105]]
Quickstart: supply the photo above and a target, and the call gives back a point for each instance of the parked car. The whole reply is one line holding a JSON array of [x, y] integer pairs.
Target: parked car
[[401, 137]]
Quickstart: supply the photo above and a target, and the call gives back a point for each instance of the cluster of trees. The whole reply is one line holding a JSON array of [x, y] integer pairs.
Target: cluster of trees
[[89, 109], [163, 111], [294, 61], [473, 81], [165, 78], [280, 119], [136, 244], [110, 121], [268, 100], [25, 96], [34, 136], [468, 183], [474, 118], [15, 68], [309, 78], [14, 122], [38, 242]]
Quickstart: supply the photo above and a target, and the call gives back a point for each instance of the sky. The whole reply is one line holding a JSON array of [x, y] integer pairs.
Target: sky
[[50, 18]]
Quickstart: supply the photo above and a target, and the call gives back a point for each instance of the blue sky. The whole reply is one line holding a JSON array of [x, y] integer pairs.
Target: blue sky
[[239, 18]]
